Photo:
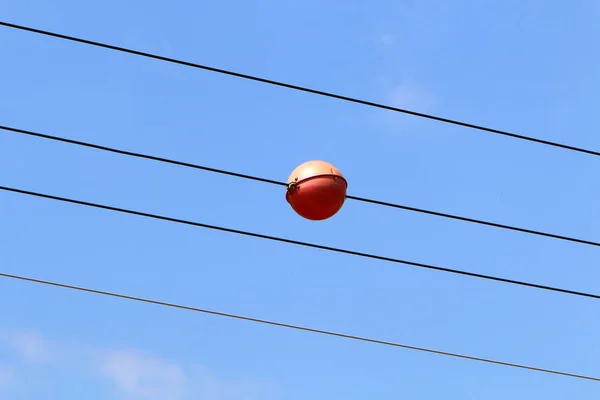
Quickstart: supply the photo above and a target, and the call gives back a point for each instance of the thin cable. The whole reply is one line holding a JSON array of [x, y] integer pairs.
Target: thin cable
[[138, 155], [299, 243], [297, 327], [300, 88], [476, 221], [259, 179]]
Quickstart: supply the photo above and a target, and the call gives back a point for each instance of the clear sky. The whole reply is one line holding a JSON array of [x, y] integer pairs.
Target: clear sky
[[527, 66]]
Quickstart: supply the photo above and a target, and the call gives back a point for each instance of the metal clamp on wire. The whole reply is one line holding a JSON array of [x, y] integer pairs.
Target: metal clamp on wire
[[292, 185]]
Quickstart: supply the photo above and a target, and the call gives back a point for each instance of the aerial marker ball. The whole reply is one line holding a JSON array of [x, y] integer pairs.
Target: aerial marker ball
[[316, 190]]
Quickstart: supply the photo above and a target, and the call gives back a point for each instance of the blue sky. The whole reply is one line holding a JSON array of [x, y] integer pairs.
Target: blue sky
[[529, 67]]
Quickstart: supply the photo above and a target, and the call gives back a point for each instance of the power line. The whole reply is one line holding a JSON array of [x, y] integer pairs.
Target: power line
[[476, 221], [300, 88], [139, 155], [299, 243], [274, 182], [297, 327]]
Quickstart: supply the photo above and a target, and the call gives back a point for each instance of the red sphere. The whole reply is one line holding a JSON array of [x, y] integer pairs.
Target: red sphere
[[316, 190]]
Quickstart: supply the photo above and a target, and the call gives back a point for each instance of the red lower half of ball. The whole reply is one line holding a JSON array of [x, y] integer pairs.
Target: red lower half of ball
[[318, 198]]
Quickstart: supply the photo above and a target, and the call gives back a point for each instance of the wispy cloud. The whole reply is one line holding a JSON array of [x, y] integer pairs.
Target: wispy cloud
[[138, 375], [7, 377], [31, 347], [408, 95], [131, 373], [387, 39], [412, 96]]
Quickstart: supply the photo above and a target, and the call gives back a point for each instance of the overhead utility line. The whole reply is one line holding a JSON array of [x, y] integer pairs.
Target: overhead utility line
[[274, 182], [300, 88], [296, 327], [299, 243]]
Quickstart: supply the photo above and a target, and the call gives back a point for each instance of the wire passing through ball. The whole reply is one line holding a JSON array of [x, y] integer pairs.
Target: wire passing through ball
[[316, 190]]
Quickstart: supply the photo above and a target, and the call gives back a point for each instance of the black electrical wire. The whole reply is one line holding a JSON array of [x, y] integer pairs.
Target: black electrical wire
[[138, 155], [296, 327], [259, 179], [299, 243], [300, 88]]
